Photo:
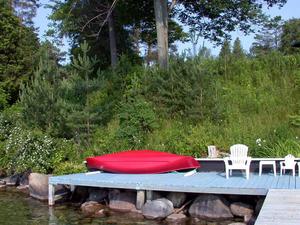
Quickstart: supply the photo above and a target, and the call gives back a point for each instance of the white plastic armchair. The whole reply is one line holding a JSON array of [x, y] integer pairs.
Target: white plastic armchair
[[288, 164], [238, 160]]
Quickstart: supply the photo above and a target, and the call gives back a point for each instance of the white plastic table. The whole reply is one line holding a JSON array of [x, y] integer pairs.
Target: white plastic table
[[269, 162]]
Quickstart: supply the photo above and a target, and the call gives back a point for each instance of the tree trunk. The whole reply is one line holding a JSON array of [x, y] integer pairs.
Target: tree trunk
[[112, 41], [161, 17]]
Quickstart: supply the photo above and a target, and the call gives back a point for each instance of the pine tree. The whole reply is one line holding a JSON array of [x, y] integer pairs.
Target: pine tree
[[268, 38], [40, 100], [238, 51], [83, 117], [225, 56]]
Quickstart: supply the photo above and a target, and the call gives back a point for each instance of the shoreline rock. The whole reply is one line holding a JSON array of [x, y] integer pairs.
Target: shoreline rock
[[210, 207]]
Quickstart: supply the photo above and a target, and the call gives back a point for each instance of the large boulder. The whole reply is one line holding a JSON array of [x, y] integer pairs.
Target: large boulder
[[177, 198], [211, 207], [241, 209], [157, 209], [92, 208], [123, 201], [38, 185], [24, 178], [97, 194]]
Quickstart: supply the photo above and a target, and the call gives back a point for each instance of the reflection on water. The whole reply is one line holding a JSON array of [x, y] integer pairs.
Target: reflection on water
[[17, 208]]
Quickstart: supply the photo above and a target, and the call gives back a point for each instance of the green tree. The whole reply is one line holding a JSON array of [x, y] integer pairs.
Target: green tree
[[18, 47], [213, 19], [40, 100], [268, 37], [290, 33], [237, 49], [225, 57]]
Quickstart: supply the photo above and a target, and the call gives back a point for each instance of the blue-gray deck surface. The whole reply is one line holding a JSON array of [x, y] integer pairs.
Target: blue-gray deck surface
[[201, 182]]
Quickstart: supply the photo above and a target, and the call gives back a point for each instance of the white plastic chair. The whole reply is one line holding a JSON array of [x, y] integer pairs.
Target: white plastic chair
[[288, 164], [238, 160], [212, 151]]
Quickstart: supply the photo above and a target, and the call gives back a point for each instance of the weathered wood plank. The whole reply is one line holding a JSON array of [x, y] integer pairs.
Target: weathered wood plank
[[280, 207]]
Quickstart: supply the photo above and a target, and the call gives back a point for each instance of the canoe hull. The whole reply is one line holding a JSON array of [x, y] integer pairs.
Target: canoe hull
[[141, 162]]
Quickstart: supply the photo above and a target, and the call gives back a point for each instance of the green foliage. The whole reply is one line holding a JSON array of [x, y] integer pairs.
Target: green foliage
[[26, 150], [137, 117], [237, 49], [18, 47], [290, 33], [40, 99], [69, 168], [268, 38]]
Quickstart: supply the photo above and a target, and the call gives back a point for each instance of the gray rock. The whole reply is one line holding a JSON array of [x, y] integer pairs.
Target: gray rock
[[12, 180], [38, 186], [23, 189], [176, 218], [177, 198], [97, 194], [122, 201], [24, 178], [259, 205], [241, 209], [92, 208], [157, 209], [210, 207]]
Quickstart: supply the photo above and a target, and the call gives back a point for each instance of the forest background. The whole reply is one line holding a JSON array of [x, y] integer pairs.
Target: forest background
[[109, 97]]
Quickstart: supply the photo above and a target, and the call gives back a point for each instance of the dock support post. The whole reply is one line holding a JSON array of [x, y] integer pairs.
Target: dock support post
[[51, 195], [149, 195], [140, 199]]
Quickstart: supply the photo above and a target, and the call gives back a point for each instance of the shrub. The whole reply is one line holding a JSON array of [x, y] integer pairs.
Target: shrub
[[69, 167], [137, 119]]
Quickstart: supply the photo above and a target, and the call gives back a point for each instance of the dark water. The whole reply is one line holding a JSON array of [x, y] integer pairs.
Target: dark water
[[17, 208]]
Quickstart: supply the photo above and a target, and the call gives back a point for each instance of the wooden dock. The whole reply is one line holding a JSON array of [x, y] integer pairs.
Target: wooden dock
[[282, 204], [281, 207]]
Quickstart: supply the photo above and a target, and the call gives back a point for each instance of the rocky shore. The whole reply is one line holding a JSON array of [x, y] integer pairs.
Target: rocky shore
[[171, 207]]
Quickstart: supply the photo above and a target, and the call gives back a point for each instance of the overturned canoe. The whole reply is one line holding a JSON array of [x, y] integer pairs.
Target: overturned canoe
[[141, 161]]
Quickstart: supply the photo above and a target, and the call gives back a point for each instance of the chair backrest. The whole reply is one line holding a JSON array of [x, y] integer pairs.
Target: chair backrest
[[212, 151], [238, 154], [289, 161]]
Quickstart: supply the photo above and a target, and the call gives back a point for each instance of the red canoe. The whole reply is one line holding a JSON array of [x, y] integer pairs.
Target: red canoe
[[141, 161]]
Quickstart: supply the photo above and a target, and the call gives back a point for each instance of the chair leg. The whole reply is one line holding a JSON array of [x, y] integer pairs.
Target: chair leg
[[247, 174], [227, 173], [260, 168], [280, 171], [293, 172]]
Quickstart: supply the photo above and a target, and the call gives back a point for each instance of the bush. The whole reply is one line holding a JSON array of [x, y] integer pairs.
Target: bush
[[69, 167], [137, 120]]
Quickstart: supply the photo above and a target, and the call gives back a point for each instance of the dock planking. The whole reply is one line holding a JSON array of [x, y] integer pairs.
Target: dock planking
[[203, 182], [281, 206]]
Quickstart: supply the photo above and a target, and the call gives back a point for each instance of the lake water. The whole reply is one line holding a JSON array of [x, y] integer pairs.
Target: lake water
[[19, 209]]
